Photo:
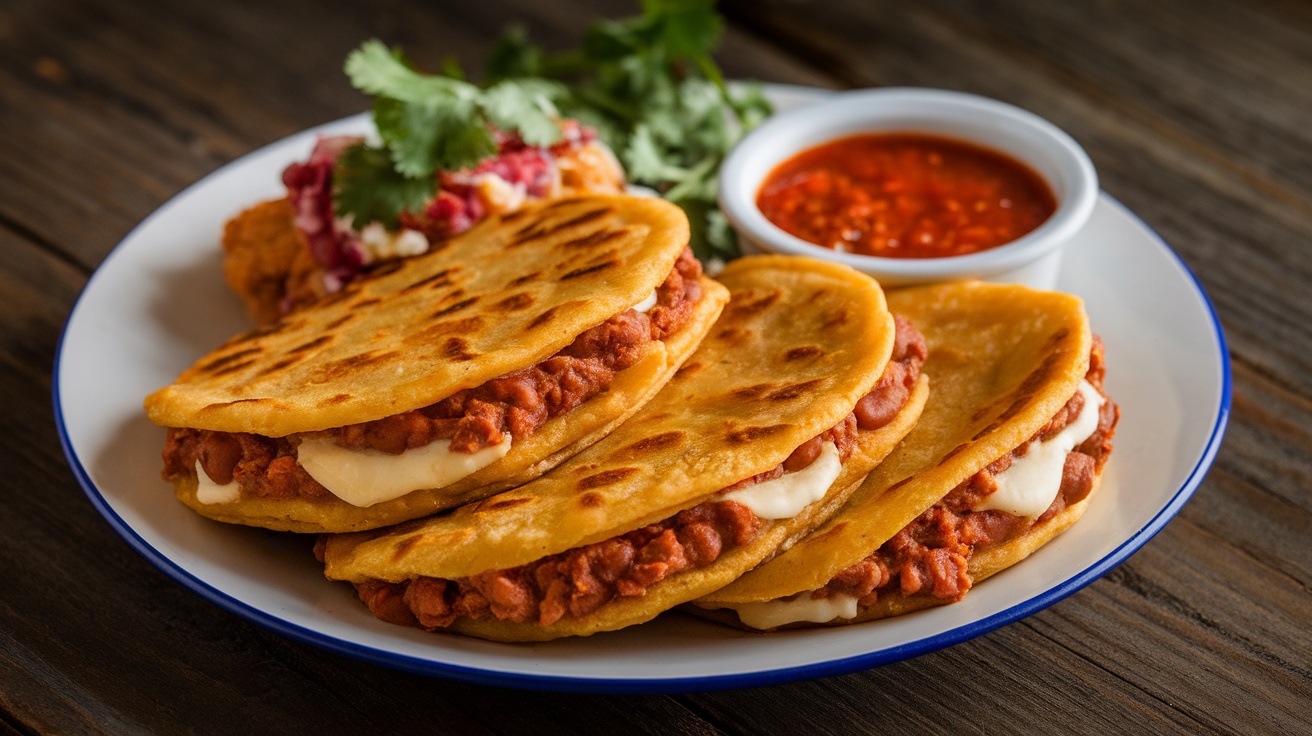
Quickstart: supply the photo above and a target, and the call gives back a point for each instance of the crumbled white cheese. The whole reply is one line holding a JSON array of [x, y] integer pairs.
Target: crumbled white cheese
[[383, 244]]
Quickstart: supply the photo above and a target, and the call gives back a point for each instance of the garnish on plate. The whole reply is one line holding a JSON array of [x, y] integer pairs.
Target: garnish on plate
[[643, 91], [653, 92], [430, 124]]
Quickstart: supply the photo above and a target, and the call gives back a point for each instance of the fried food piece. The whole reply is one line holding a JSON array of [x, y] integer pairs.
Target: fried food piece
[[267, 261]]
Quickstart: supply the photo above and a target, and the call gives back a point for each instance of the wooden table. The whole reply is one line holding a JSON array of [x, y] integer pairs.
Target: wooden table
[[1195, 112]]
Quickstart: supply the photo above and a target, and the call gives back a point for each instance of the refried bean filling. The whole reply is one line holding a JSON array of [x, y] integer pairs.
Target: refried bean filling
[[577, 582], [517, 404], [931, 555]]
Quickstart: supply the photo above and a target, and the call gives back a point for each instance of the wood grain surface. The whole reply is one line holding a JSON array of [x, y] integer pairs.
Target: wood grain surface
[[1197, 114]]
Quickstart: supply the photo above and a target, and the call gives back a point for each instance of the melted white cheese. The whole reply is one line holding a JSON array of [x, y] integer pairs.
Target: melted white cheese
[[786, 496], [1028, 487], [769, 614], [207, 491], [646, 304], [366, 477]]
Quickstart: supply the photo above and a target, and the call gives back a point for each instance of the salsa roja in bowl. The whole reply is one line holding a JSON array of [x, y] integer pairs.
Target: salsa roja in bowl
[[911, 186]]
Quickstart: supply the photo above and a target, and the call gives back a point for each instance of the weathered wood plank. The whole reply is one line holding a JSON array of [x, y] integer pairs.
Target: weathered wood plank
[[1194, 112]]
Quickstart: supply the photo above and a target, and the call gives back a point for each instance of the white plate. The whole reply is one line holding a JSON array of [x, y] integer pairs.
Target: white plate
[[158, 302]]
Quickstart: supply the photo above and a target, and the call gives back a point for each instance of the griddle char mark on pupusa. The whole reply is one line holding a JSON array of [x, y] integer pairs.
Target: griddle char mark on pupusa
[[546, 230], [576, 273], [654, 444], [436, 281], [458, 306], [515, 303], [747, 435], [225, 363], [432, 333], [594, 240]]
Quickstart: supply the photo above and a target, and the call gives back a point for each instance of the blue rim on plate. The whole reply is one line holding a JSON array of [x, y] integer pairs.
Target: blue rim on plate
[[450, 667]]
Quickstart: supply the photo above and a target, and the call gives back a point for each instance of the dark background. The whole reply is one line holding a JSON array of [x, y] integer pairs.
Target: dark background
[[1195, 112]]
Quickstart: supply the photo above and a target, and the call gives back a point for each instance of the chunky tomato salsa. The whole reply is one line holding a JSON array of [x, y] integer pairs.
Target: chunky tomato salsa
[[905, 196]]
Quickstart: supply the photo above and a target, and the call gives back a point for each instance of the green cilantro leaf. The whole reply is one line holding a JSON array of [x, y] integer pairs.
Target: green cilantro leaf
[[427, 137], [644, 160], [377, 70], [526, 105], [648, 85], [368, 187], [752, 107], [428, 124]]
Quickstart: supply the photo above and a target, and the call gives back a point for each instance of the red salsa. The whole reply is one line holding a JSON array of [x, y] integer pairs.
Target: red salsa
[[905, 196]]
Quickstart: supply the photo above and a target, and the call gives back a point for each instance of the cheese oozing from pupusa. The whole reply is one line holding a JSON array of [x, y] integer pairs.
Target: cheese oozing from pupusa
[[769, 614], [367, 477], [207, 491], [1030, 485], [785, 497], [645, 305]]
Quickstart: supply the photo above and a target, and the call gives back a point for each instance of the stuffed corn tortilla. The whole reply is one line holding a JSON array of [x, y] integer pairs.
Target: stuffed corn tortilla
[[802, 386], [1006, 456], [445, 377]]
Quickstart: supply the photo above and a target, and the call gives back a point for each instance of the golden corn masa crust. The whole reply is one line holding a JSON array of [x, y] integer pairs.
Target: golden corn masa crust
[[557, 439], [799, 342], [773, 536], [1002, 360], [508, 293]]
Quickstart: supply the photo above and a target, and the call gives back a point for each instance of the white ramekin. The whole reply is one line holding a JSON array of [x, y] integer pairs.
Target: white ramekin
[[1033, 259]]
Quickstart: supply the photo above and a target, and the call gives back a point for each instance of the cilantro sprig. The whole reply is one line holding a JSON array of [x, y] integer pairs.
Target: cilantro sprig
[[653, 91], [430, 123], [648, 84]]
